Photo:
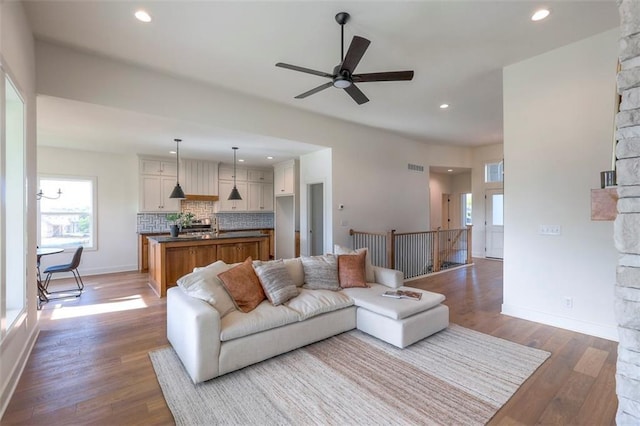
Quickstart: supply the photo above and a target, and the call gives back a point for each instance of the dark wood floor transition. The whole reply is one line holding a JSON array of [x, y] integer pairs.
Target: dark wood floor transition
[[90, 363]]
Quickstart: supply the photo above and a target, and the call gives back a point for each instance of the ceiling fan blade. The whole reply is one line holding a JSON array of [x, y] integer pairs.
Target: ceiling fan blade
[[356, 94], [316, 90], [302, 69], [356, 50], [383, 76]]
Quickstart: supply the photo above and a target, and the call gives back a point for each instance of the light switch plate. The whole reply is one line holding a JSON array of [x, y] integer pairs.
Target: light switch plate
[[549, 230]]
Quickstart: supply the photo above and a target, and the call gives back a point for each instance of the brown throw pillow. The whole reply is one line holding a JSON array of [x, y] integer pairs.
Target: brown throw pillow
[[351, 270], [243, 285]]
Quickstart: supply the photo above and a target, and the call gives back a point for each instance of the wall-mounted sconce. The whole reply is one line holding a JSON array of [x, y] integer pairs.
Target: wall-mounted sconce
[[40, 195]]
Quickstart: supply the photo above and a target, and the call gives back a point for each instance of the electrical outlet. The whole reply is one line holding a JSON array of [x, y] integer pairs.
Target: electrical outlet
[[568, 302]]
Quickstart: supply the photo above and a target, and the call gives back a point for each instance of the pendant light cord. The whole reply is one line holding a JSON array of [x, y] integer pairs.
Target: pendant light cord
[[235, 149], [178, 160]]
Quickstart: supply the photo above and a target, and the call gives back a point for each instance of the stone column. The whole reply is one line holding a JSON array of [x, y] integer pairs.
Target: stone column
[[627, 224]]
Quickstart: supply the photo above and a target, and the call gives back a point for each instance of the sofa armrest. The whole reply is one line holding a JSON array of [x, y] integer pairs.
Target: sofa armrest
[[193, 329], [388, 277]]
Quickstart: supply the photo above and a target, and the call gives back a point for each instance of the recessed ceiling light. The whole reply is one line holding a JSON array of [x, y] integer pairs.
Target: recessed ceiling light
[[240, 160], [142, 16], [540, 15], [450, 170], [172, 152], [444, 106], [269, 158]]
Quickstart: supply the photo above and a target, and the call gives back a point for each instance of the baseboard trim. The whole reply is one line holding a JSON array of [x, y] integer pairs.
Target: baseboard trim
[[585, 327], [18, 369], [87, 272]]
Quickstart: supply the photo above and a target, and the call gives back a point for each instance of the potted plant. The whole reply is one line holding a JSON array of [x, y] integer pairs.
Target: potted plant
[[178, 221]]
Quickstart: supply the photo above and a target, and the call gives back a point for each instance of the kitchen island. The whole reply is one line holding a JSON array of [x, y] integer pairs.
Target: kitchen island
[[172, 257]]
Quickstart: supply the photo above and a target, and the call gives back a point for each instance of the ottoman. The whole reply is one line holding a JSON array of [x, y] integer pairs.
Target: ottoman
[[400, 322]]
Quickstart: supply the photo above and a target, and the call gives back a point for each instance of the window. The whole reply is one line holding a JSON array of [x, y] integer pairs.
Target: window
[[68, 220], [493, 172], [466, 210], [13, 211]]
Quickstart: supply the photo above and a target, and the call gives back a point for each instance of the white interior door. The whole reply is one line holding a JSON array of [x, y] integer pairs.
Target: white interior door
[[494, 223]]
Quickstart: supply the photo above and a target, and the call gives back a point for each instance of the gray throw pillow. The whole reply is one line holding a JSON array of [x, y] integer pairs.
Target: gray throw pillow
[[276, 281], [320, 272]]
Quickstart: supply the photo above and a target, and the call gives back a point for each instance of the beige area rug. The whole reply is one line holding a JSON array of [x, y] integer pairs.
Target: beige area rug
[[457, 376]]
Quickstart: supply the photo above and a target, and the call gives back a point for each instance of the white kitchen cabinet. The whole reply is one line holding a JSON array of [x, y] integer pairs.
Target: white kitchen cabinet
[[200, 177], [284, 178], [158, 167], [157, 177], [224, 189], [225, 172], [154, 194], [260, 197], [259, 175]]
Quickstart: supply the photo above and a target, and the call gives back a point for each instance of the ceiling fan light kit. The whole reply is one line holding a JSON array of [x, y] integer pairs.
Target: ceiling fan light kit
[[343, 76]]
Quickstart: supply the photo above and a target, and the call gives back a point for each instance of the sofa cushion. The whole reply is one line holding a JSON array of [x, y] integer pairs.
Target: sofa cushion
[[351, 270], [294, 266], [243, 285], [204, 284], [370, 276], [372, 300], [276, 281], [320, 272], [264, 317], [310, 303]]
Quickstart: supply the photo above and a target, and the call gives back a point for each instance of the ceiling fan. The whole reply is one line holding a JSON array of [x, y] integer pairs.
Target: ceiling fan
[[343, 76]]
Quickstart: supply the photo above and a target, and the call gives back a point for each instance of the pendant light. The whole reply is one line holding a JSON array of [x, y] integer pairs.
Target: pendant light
[[177, 191], [235, 195]]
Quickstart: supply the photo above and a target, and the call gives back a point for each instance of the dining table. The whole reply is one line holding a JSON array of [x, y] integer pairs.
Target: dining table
[[43, 251]]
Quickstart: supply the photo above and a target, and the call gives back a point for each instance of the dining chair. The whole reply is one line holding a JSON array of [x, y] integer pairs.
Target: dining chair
[[69, 267]]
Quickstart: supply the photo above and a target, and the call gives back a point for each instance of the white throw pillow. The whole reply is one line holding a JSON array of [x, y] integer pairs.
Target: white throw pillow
[[368, 268], [294, 266], [204, 284]]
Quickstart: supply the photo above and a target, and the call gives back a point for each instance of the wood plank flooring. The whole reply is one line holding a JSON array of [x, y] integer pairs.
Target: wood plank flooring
[[90, 362]]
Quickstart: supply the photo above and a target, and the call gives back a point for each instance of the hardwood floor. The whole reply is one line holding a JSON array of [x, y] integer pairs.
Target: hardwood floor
[[90, 362]]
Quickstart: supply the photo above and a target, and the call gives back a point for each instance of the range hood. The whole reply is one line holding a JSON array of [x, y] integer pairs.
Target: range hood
[[194, 197]]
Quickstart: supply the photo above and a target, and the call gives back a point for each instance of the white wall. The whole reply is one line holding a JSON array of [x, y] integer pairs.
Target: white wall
[[481, 156], [558, 129], [439, 183], [117, 191], [461, 183], [18, 60], [370, 175]]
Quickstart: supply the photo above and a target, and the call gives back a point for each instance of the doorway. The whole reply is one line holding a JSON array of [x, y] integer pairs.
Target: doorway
[[451, 211], [494, 223], [316, 218]]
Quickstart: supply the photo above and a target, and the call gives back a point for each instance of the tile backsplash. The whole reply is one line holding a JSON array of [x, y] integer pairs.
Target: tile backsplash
[[200, 209], [157, 222], [152, 222], [238, 221]]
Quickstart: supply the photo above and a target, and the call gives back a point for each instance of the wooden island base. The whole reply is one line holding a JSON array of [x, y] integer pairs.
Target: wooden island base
[[170, 260]]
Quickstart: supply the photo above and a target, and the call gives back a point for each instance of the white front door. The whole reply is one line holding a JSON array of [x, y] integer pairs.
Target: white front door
[[494, 223]]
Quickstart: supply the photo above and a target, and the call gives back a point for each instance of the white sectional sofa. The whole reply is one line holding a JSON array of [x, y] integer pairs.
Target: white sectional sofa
[[211, 345]]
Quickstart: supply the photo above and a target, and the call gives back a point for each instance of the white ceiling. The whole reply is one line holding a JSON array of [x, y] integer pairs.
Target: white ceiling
[[457, 49]]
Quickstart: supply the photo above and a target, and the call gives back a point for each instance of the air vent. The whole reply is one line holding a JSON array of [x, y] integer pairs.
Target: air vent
[[415, 167]]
